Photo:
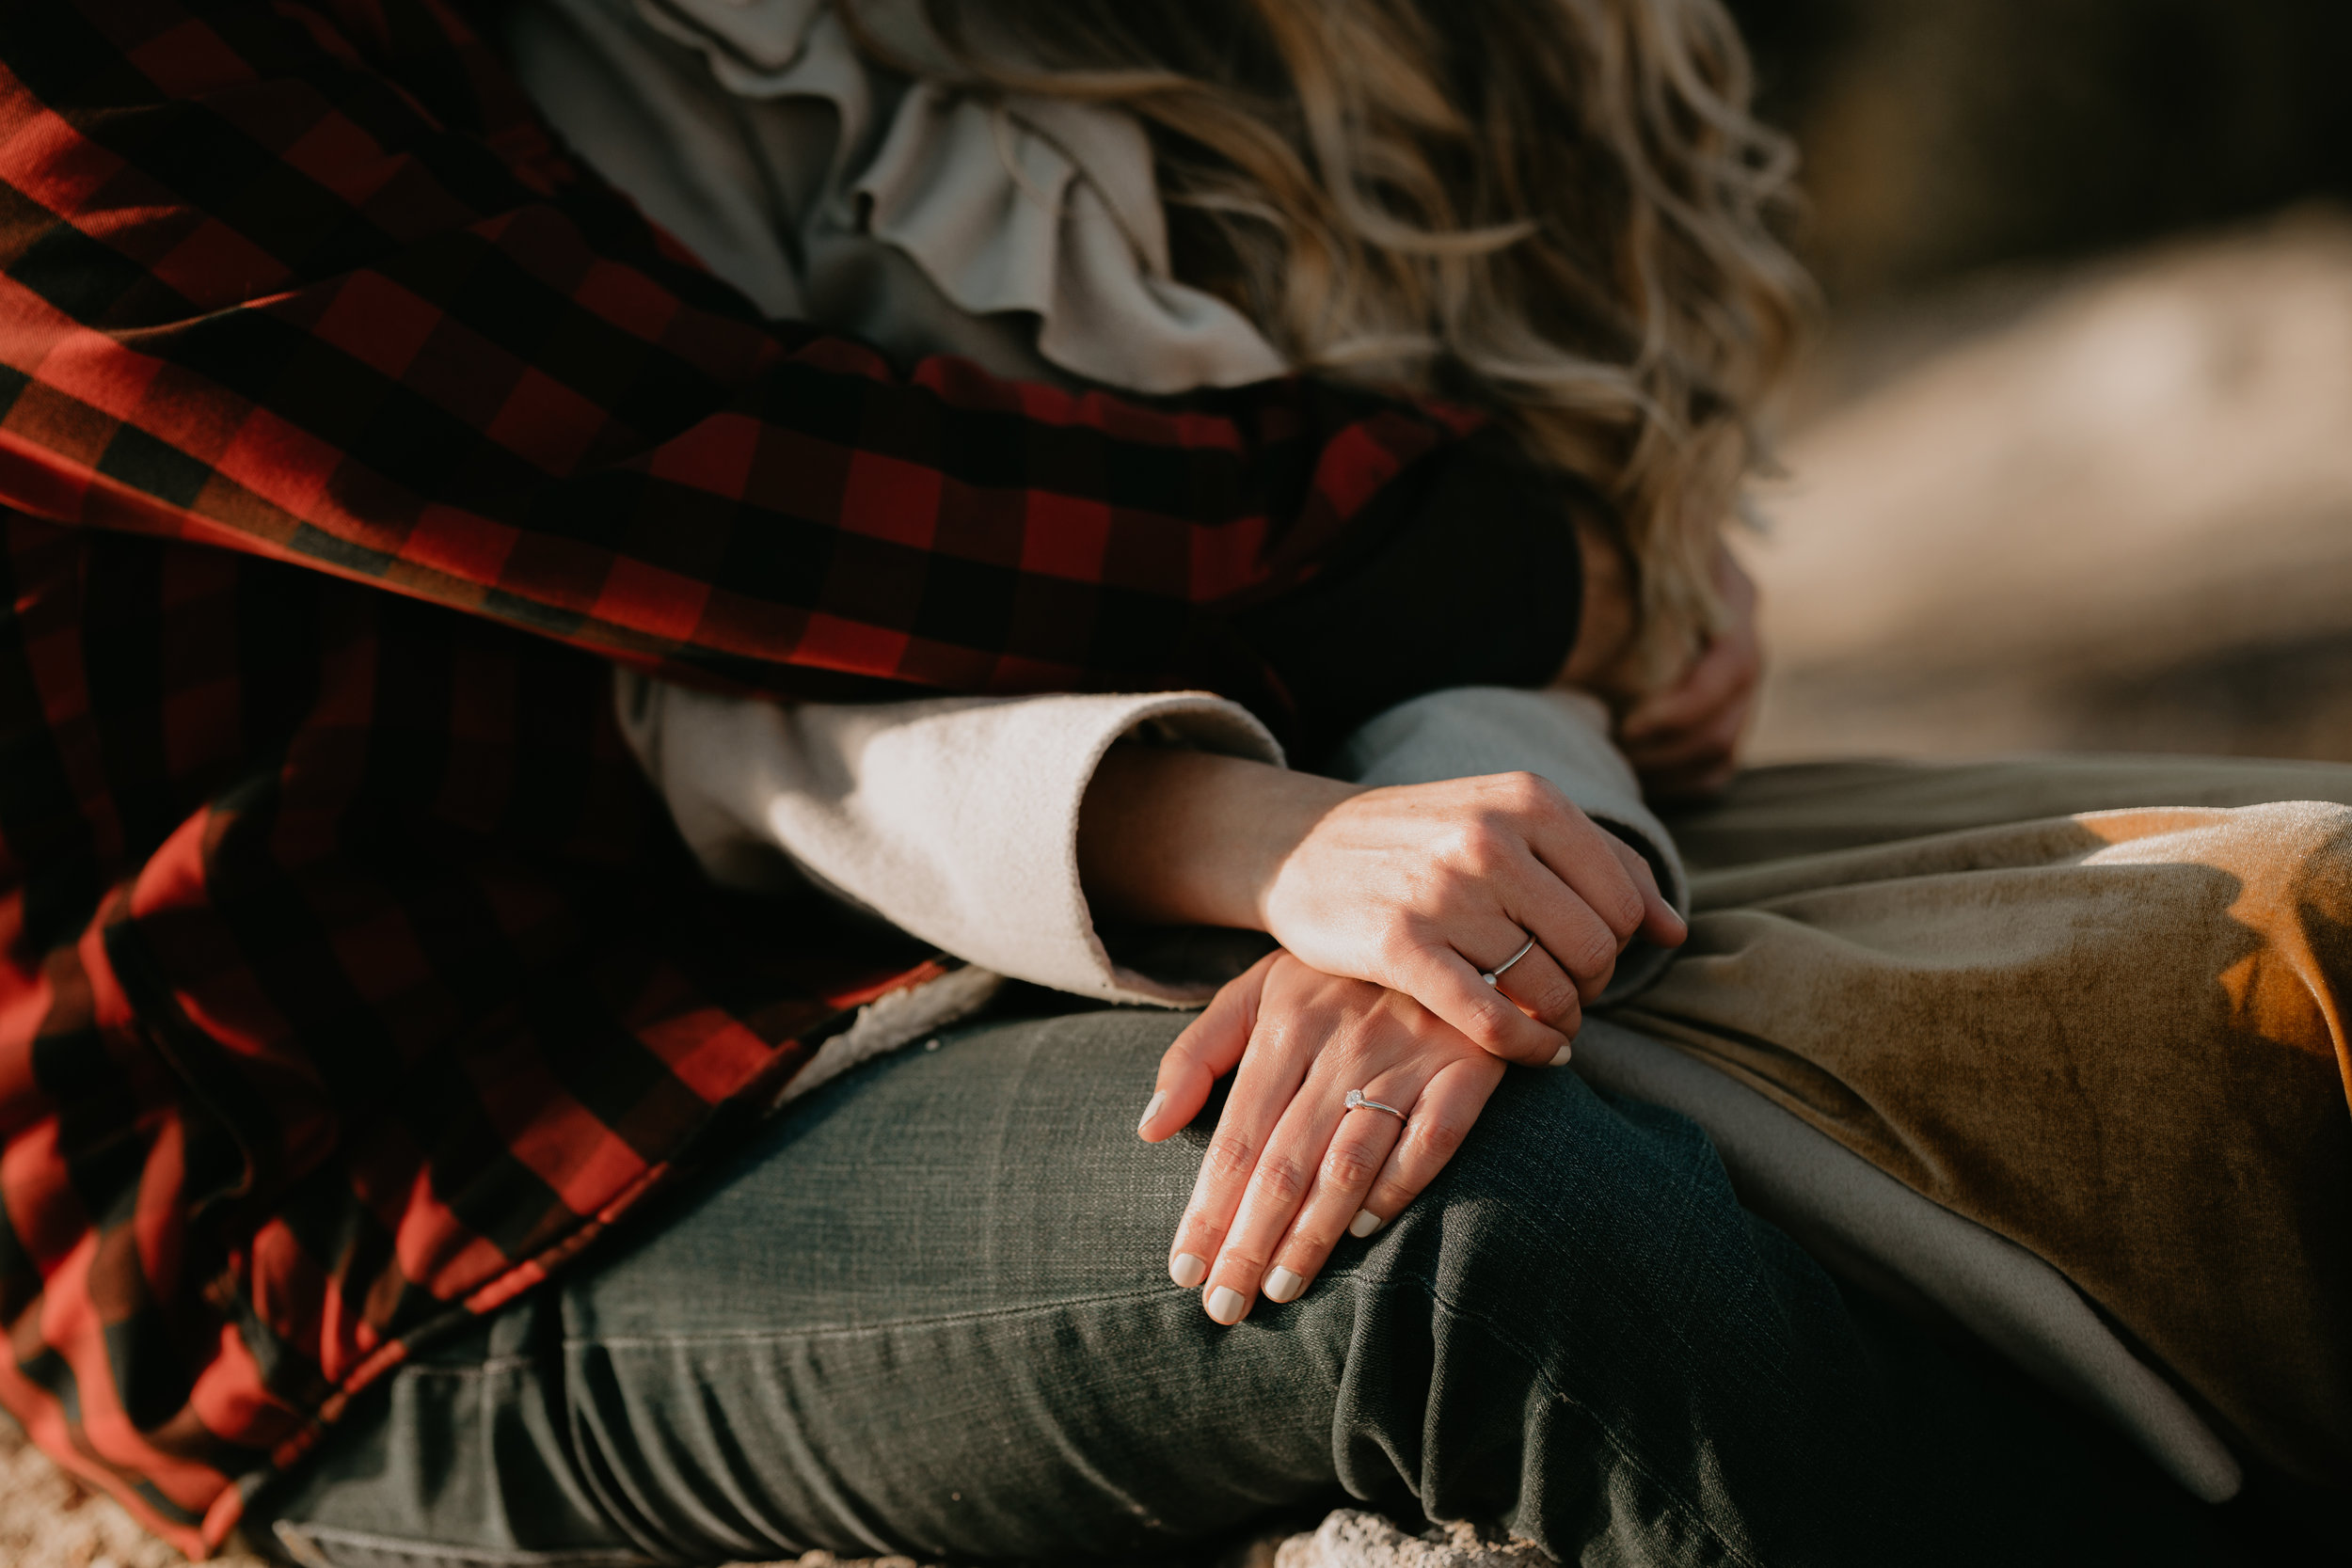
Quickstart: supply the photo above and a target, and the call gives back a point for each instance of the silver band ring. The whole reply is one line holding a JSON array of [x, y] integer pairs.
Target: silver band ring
[[1495, 973], [1358, 1100]]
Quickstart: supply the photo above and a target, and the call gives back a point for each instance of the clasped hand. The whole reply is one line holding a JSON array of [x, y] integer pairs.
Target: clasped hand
[[1390, 905]]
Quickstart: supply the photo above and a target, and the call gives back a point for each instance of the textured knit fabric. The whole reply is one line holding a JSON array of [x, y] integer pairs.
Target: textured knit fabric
[[955, 819], [352, 976]]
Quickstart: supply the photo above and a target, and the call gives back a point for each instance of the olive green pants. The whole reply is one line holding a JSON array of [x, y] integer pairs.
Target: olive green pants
[[2096, 1005]]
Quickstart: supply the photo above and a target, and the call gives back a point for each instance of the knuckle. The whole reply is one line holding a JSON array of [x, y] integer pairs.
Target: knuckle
[[1485, 842], [1279, 1180], [1349, 1168], [1594, 953], [1442, 1137], [1240, 1262], [1230, 1156], [1528, 792], [1491, 1023], [1396, 945], [1555, 1000]]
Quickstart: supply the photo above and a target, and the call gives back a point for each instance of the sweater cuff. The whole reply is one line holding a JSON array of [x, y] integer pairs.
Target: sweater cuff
[[955, 819]]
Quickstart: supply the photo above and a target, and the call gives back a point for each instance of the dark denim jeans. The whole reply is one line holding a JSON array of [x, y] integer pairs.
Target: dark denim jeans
[[928, 1313]]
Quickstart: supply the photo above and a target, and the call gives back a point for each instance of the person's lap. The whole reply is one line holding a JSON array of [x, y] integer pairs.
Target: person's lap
[[927, 1312], [2093, 1003]]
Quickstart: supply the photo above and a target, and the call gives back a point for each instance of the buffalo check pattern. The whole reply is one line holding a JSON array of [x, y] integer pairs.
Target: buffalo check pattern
[[351, 978]]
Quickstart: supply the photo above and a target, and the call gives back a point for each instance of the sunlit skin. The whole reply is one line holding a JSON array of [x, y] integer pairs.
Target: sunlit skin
[[1389, 903]]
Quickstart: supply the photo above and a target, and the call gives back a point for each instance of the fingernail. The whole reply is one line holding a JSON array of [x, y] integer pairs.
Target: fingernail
[[1150, 1109], [1225, 1304], [1560, 1057], [1281, 1286], [1187, 1270], [1365, 1223]]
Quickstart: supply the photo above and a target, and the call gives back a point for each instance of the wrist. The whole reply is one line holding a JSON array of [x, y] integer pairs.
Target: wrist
[[1179, 837]]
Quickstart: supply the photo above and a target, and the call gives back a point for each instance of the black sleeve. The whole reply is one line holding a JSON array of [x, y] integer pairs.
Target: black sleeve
[[1473, 577]]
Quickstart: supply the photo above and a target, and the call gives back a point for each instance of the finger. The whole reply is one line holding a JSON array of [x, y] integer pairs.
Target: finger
[[1284, 1174], [1272, 1066], [1576, 950], [1716, 739], [1544, 990], [1727, 665], [1440, 979], [1732, 699], [1551, 909], [1661, 922], [1205, 1052], [1698, 692], [1442, 1117], [1582, 854], [1343, 1181]]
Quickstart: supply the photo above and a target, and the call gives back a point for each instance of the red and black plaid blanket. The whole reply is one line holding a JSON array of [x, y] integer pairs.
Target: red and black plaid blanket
[[352, 978]]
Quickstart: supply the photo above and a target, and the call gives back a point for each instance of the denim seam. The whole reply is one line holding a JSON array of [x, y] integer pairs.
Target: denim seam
[[835, 1331]]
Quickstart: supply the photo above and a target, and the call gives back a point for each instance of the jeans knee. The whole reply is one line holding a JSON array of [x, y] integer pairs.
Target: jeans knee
[[1564, 1203]]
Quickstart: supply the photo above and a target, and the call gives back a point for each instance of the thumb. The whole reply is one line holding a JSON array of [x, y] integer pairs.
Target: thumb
[[1209, 1048]]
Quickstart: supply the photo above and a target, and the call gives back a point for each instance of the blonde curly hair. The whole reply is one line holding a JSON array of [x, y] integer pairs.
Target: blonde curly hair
[[1561, 210]]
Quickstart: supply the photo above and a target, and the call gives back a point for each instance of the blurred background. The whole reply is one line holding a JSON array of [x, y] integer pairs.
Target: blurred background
[[2072, 465]]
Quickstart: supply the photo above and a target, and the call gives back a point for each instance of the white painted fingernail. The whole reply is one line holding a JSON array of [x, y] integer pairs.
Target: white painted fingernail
[[1225, 1304], [1187, 1270], [1365, 1223], [1560, 1057], [1281, 1286], [1151, 1109]]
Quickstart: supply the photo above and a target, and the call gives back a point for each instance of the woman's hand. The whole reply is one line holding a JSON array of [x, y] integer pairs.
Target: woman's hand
[[1422, 889], [1290, 1168], [1426, 888], [1685, 740]]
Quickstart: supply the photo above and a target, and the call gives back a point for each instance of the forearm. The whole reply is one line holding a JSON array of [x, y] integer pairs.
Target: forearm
[[1178, 837]]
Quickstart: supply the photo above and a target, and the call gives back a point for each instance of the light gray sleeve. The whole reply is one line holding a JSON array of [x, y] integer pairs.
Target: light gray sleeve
[[1563, 736], [955, 819]]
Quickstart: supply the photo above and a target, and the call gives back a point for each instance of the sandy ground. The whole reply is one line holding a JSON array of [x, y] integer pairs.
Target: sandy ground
[[49, 1520], [2104, 508]]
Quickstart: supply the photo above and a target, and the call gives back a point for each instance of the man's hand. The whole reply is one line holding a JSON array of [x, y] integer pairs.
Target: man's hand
[[1290, 1168], [1685, 740]]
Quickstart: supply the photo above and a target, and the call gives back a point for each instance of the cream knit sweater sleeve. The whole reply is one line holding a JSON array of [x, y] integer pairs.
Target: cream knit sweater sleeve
[[956, 819]]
